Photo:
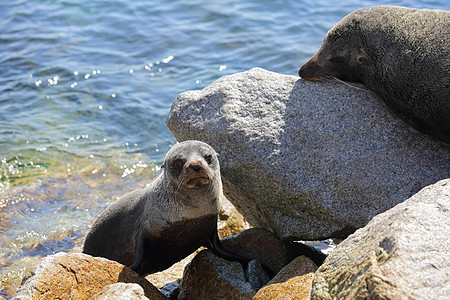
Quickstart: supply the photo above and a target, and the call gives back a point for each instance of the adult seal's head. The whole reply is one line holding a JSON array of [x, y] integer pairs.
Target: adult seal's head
[[402, 54]]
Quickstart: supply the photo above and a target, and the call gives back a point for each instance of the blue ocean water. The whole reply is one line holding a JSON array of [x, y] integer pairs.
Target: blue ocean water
[[85, 87]]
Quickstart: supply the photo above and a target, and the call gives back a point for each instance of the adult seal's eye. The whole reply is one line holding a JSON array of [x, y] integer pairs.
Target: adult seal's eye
[[336, 60], [208, 158], [178, 164]]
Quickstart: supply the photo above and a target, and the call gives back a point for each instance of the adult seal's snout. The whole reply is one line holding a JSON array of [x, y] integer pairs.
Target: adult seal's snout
[[310, 70]]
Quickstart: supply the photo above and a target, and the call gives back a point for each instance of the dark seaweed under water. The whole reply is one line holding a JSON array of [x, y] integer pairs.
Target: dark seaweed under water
[[85, 87]]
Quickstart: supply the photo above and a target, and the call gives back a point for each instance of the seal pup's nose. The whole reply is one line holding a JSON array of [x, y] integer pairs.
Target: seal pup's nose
[[196, 167]]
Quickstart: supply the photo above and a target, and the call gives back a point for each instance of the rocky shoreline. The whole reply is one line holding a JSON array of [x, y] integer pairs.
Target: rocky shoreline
[[301, 161], [400, 254]]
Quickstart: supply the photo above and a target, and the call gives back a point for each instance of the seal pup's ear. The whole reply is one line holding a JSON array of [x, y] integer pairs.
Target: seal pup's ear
[[163, 166]]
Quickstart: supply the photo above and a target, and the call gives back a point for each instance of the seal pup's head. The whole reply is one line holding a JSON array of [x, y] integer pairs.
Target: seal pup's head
[[192, 165]]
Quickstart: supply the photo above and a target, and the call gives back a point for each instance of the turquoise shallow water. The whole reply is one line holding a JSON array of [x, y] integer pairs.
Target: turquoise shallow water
[[85, 87]]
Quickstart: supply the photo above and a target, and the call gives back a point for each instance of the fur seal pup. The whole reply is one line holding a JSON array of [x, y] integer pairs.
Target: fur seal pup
[[152, 228], [402, 54]]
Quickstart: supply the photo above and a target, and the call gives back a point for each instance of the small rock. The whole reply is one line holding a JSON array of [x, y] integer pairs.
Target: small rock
[[401, 254], [121, 291], [294, 281], [79, 276], [259, 244], [256, 275], [211, 277]]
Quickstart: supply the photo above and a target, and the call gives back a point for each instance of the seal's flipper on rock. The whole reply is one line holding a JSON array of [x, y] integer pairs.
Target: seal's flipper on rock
[[216, 246]]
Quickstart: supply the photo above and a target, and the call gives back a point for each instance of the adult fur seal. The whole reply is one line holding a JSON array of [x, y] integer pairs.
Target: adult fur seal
[[152, 228], [402, 54]]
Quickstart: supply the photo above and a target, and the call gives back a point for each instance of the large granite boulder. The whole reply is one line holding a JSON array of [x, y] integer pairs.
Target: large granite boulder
[[307, 160], [401, 254]]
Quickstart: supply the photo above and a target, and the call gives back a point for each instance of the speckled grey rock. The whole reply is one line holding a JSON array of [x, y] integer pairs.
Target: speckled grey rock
[[401, 254], [307, 160], [256, 275]]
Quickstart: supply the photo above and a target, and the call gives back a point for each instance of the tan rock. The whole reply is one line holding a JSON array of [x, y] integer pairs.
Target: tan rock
[[230, 222], [79, 276], [294, 281], [121, 291], [211, 277]]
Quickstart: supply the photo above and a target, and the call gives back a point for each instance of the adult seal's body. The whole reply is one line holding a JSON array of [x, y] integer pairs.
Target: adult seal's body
[[402, 54], [152, 228]]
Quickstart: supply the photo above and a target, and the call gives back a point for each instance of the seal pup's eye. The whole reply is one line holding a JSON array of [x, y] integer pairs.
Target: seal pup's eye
[[178, 164], [336, 60], [208, 158]]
